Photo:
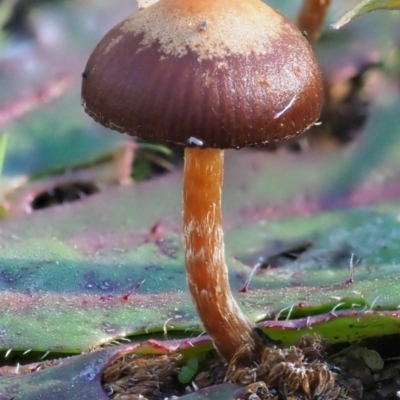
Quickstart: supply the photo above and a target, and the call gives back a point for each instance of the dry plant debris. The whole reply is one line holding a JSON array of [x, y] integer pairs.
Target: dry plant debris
[[297, 372], [132, 377]]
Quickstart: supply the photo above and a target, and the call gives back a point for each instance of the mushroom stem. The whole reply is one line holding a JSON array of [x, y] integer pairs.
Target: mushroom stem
[[207, 272], [311, 18]]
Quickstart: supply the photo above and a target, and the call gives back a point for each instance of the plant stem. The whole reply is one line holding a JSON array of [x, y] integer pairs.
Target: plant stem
[[311, 18], [207, 272]]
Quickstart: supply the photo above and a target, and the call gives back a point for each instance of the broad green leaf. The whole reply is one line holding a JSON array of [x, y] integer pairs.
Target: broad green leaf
[[40, 106], [69, 278], [67, 272], [364, 7], [76, 378]]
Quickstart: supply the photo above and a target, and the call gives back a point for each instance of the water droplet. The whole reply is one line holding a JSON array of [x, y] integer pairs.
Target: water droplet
[[105, 285], [194, 141]]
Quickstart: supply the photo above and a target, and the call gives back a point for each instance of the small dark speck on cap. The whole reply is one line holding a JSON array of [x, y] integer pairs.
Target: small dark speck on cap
[[85, 74]]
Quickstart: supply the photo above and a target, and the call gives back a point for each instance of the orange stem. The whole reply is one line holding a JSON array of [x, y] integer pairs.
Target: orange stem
[[207, 272], [311, 18]]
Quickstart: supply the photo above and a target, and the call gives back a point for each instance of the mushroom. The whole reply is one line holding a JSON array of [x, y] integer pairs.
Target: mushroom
[[209, 75]]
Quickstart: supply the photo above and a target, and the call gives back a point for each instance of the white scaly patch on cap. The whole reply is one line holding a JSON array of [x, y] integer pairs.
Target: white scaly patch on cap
[[209, 28]]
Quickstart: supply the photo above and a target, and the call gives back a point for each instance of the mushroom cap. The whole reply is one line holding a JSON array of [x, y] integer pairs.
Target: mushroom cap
[[223, 74]]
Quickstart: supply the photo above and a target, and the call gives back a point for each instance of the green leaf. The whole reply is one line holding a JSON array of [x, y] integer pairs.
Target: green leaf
[[188, 371], [76, 378], [364, 7]]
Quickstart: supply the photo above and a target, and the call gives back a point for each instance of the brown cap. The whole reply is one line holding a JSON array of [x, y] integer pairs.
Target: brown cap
[[225, 74]]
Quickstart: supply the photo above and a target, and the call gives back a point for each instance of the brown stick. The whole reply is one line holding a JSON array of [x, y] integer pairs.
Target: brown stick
[[207, 272], [311, 18]]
